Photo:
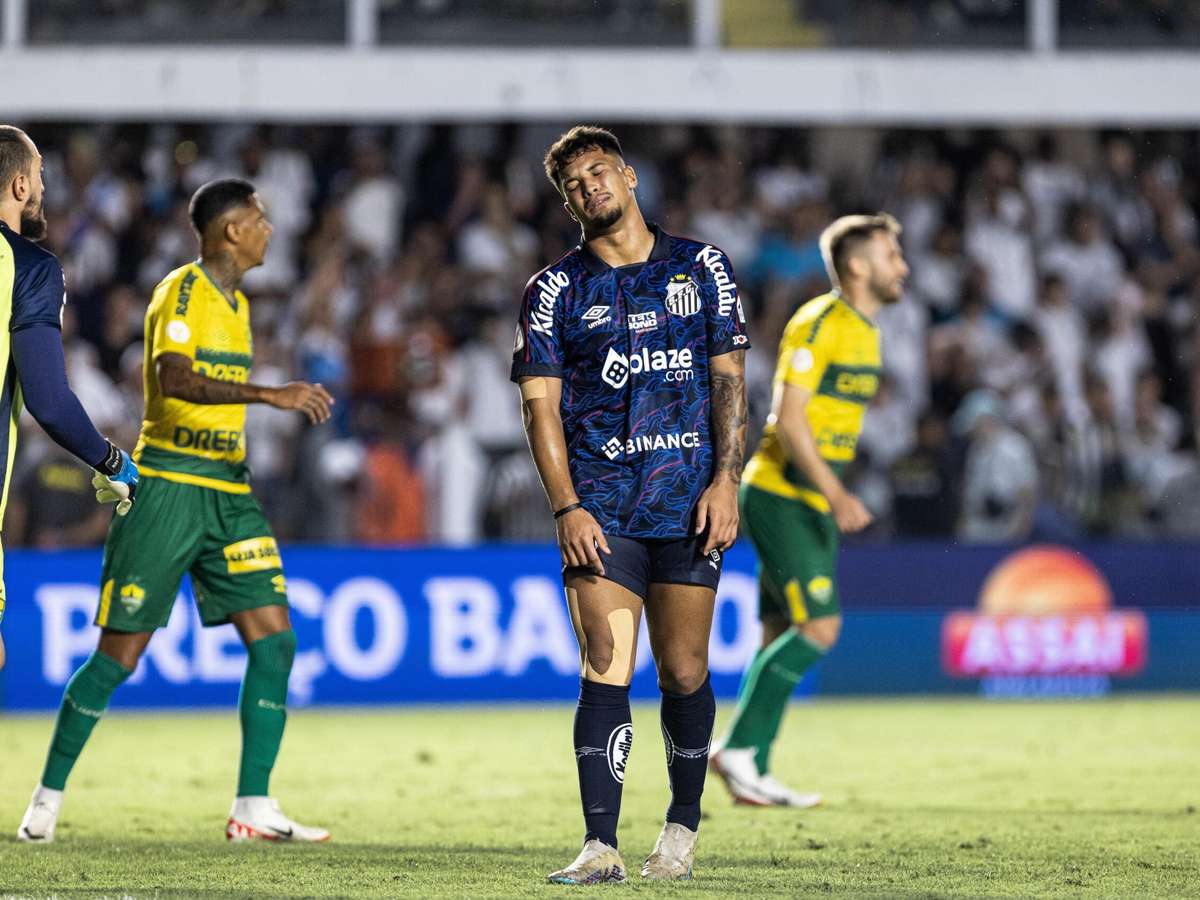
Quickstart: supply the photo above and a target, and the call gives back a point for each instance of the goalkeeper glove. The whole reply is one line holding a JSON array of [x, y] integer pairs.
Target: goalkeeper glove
[[116, 479]]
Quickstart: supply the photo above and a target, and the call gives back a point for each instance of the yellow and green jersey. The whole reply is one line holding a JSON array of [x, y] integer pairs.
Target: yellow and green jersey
[[193, 443], [831, 350]]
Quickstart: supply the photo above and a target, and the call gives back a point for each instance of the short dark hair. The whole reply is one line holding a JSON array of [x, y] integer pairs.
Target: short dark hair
[[571, 144], [846, 235], [16, 156], [215, 198]]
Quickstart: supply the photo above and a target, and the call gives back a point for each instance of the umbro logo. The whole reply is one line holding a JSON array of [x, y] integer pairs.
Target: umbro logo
[[596, 316]]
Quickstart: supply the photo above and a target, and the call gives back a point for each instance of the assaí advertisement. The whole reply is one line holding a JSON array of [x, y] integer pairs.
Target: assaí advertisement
[[1045, 625]]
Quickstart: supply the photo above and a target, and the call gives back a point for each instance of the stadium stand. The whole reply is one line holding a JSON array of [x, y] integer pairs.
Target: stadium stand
[[1039, 371]]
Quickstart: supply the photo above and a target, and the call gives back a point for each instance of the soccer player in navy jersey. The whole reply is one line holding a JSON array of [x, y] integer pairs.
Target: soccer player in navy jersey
[[33, 370], [630, 359]]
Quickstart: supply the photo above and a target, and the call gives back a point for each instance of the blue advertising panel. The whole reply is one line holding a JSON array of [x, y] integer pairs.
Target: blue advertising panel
[[489, 623]]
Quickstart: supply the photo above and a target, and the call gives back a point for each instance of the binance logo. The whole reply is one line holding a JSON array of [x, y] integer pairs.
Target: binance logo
[[821, 588], [132, 597]]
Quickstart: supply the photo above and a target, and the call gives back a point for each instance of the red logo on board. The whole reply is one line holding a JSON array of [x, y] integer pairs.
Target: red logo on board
[[1044, 611]]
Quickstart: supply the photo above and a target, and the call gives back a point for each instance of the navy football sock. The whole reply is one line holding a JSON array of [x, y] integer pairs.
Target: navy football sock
[[687, 725], [603, 736]]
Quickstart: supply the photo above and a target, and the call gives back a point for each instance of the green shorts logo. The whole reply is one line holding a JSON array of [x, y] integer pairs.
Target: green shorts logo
[[821, 588], [132, 597]]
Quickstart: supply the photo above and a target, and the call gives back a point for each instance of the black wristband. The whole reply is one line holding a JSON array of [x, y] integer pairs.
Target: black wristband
[[111, 464], [570, 507]]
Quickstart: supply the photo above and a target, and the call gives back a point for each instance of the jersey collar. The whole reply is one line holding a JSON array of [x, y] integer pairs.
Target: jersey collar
[[660, 250], [850, 306], [232, 301]]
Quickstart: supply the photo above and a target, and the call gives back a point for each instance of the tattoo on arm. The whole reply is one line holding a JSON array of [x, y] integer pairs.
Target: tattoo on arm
[[176, 379], [728, 390]]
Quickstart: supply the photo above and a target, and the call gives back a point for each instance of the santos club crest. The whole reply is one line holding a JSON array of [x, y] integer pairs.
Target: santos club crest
[[683, 297]]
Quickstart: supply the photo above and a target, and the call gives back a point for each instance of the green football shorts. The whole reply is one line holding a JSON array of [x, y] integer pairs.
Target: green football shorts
[[222, 539], [797, 555]]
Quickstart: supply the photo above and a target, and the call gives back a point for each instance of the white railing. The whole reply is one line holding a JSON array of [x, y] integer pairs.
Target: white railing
[[367, 81]]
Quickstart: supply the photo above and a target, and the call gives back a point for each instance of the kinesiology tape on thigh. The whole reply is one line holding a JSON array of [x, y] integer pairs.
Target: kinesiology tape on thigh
[[623, 632]]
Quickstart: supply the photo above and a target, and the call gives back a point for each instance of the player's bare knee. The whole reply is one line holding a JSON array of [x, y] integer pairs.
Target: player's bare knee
[[683, 676], [128, 657], [823, 632], [124, 647]]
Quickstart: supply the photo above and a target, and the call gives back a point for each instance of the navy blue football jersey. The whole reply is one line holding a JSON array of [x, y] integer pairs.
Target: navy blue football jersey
[[632, 346], [32, 292]]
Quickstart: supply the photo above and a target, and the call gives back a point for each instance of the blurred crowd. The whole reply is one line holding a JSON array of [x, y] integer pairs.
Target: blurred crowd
[[931, 24], [432, 22], [928, 24], [1040, 370]]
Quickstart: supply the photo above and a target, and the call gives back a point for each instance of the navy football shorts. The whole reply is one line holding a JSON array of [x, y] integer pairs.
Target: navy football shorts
[[637, 563]]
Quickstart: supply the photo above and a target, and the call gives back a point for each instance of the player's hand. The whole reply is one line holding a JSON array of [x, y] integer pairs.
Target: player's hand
[[718, 512], [311, 399], [850, 513], [116, 479], [580, 540]]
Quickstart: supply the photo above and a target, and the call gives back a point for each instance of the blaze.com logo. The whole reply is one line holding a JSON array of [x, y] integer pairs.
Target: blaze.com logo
[[1045, 625]]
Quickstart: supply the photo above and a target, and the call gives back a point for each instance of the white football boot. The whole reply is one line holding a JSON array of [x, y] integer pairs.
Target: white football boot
[[261, 819], [37, 825], [597, 863], [672, 855], [781, 795], [737, 768]]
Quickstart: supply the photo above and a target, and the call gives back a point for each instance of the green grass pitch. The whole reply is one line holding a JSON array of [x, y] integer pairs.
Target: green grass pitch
[[923, 799]]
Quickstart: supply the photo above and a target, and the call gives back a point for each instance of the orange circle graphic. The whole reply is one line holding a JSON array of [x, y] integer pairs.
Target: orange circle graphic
[[1044, 580]]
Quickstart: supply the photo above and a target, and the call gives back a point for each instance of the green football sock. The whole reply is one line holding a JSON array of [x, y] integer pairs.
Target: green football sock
[[263, 709], [769, 681], [83, 703]]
